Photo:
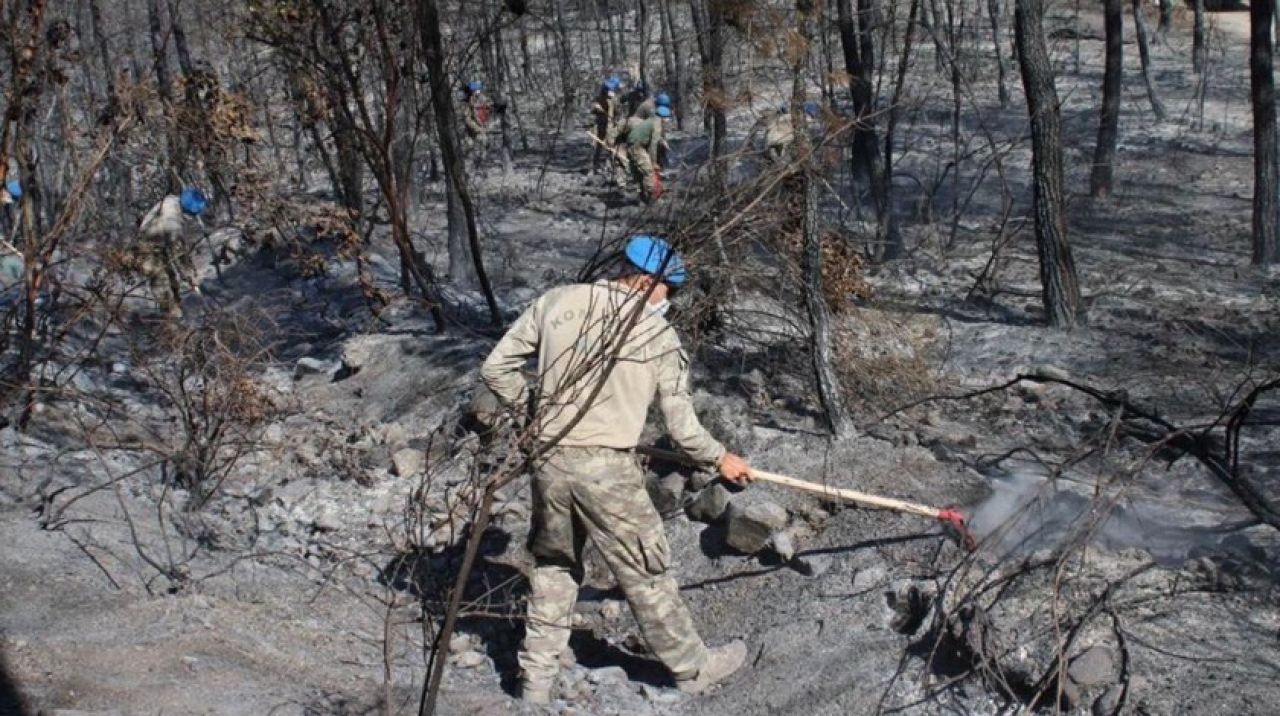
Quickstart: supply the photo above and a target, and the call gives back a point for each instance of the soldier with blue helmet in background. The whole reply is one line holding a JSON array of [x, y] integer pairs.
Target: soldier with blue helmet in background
[[163, 255]]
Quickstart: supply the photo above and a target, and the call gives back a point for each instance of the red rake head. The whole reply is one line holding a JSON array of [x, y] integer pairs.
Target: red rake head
[[957, 522]]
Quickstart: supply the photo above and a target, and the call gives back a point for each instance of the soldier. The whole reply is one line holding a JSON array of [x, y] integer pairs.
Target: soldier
[[779, 132], [588, 483], [607, 115], [643, 138], [475, 117], [636, 97], [163, 253]]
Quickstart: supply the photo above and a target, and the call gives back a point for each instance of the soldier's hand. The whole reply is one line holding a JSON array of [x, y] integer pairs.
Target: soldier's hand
[[735, 469]]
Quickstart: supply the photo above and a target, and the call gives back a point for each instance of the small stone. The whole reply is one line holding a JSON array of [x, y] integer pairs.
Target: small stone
[[190, 662], [308, 366], [394, 435], [407, 462], [812, 565], [470, 659], [751, 527], [785, 545], [1051, 372], [357, 351], [1108, 702], [577, 621], [611, 609], [1095, 665], [120, 368], [326, 520], [607, 675], [666, 492], [699, 480], [658, 695], [709, 505], [460, 643]]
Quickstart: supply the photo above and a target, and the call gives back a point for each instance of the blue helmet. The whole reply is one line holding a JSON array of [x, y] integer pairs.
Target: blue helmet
[[612, 83], [193, 201], [662, 99], [14, 187], [475, 86], [649, 253], [811, 108], [663, 111]]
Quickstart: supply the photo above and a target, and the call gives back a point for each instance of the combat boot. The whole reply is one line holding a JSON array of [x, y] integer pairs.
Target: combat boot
[[722, 662], [535, 691]]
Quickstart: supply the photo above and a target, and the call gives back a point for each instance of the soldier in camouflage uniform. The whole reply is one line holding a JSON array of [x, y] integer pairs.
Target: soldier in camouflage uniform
[[162, 255], [475, 118], [644, 142], [588, 484], [606, 113]]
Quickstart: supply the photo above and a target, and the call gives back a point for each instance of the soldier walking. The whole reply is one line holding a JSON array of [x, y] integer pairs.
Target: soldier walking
[[164, 257], [644, 142], [588, 484]]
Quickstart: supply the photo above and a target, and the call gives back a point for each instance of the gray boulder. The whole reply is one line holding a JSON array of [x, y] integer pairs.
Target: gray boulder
[[710, 504], [752, 527]]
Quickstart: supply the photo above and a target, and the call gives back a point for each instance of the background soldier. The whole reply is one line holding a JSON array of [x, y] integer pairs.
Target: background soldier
[[588, 484], [644, 141], [163, 253], [475, 117], [606, 112]]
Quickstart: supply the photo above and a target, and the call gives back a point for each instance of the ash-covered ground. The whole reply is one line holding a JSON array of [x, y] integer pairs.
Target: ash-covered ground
[[297, 589]]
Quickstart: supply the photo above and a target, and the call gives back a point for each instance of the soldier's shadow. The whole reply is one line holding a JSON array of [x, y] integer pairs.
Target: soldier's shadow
[[593, 652]]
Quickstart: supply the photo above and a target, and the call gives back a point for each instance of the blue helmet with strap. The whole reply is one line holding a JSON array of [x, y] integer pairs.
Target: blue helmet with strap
[[14, 187], [475, 86], [650, 253], [662, 99], [613, 83], [663, 111], [193, 201]]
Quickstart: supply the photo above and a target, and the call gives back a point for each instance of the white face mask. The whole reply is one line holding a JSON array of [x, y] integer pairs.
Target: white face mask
[[661, 307]]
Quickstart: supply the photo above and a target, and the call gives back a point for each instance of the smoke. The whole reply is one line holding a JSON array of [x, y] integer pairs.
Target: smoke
[[1026, 512]]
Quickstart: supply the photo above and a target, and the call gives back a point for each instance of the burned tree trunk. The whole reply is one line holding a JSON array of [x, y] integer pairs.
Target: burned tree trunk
[[993, 12], [1144, 53], [1102, 178], [1262, 90], [857, 42], [1199, 43], [708, 19], [1166, 20], [446, 129], [1059, 287]]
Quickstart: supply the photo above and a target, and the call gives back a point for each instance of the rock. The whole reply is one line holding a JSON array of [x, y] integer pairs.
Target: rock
[[1095, 665], [751, 527], [1108, 702], [394, 435], [407, 462], [699, 480], [469, 659], [812, 565], [709, 505], [611, 609], [357, 351], [784, 544], [308, 366], [326, 520], [607, 675], [78, 712], [1052, 372], [460, 643], [658, 695], [666, 492]]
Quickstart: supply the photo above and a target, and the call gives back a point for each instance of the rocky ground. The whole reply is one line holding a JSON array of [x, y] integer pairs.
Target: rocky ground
[[297, 589]]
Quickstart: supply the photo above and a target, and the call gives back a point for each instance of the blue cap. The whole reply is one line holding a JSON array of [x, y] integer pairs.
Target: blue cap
[[613, 83], [193, 201], [662, 99], [648, 253], [811, 108], [663, 111], [14, 187], [475, 86]]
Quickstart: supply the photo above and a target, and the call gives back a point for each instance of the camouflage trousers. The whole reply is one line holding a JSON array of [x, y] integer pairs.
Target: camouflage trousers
[[160, 262], [644, 172], [599, 493]]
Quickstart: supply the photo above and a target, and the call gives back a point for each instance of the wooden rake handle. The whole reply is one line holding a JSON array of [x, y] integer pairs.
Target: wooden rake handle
[[861, 498]]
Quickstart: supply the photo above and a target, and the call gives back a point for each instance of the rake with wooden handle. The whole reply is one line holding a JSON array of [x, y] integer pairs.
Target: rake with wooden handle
[[948, 516]]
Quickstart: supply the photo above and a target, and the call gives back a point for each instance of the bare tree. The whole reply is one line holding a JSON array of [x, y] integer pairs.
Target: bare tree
[[1262, 90], [1199, 39], [1144, 53], [1102, 178], [1060, 288]]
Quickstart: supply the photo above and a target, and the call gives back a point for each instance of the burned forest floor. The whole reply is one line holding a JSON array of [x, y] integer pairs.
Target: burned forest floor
[[1116, 573]]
